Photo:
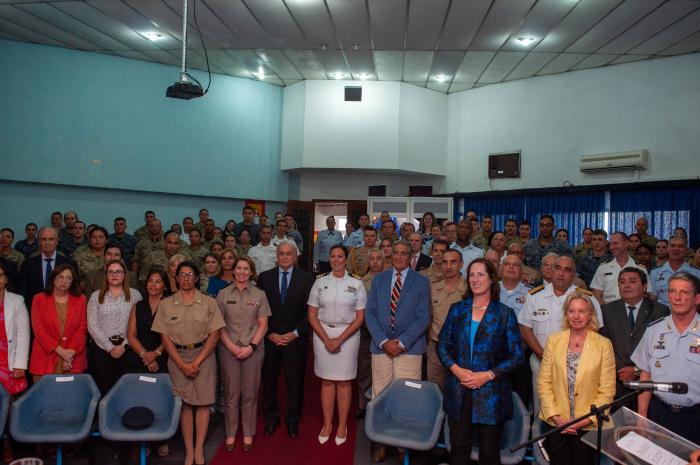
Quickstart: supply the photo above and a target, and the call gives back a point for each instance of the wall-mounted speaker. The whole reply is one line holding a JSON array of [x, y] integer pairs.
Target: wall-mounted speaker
[[353, 94], [504, 165]]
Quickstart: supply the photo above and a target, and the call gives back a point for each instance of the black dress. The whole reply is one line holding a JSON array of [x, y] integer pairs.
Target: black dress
[[150, 340]]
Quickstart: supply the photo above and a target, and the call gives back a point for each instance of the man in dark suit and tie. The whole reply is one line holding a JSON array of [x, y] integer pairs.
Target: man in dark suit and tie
[[624, 323], [397, 316], [419, 261], [287, 289], [36, 269]]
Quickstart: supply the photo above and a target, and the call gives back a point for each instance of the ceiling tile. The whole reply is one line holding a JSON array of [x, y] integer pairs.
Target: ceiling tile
[[8, 36], [133, 54], [562, 62], [621, 18], [658, 20], [473, 65], [163, 56], [361, 62], [688, 45], [503, 18], [280, 64], [425, 19], [306, 62], [155, 12], [416, 65], [26, 34], [502, 64], [463, 20], [216, 33], [288, 82], [446, 63], [629, 59], [239, 18], [55, 16], [586, 14], [314, 21], [540, 20], [529, 66], [351, 22], [276, 20], [460, 86], [669, 36], [388, 22], [333, 62], [595, 60], [389, 65], [438, 86], [231, 65]]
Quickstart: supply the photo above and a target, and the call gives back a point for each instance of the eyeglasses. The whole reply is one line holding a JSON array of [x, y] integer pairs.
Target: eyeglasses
[[64, 278], [188, 275], [115, 272]]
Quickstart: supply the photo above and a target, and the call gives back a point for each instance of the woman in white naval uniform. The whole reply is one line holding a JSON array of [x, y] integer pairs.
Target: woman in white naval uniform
[[336, 312]]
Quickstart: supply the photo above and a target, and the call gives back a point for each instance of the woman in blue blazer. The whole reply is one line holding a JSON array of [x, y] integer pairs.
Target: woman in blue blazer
[[480, 345]]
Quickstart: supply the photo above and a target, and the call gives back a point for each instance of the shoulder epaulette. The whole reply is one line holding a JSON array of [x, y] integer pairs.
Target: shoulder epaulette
[[655, 321], [535, 290], [584, 291], [356, 276], [321, 275]]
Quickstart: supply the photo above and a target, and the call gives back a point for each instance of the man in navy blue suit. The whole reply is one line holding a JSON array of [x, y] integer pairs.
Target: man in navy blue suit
[[397, 316]]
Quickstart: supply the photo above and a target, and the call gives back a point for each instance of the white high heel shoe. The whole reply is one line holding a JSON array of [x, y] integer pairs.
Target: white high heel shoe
[[324, 439]]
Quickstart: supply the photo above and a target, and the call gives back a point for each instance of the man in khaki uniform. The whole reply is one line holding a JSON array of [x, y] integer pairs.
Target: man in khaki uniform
[[6, 251], [142, 232], [443, 294], [209, 236], [530, 275], [482, 239], [92, 257], [434, 272], [153, 242], [364, 357], [94, 279], [358, 260], [196, 249], [161, 258]]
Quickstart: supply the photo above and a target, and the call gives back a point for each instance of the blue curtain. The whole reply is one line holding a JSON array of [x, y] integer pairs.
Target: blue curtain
[[500, 207], [665, 209], [573, 211]]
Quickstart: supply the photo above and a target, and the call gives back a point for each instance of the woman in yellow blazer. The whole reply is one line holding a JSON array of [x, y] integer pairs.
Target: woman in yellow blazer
[[578, 369]]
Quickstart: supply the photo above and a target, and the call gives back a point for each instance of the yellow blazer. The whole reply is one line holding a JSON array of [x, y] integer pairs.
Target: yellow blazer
[[595, 376]]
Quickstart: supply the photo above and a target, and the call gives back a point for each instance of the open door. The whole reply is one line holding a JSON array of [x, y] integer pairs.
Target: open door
[[303, 213], [355, 209]]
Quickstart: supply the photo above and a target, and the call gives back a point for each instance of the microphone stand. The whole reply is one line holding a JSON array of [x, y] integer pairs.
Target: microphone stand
[[600, 415]]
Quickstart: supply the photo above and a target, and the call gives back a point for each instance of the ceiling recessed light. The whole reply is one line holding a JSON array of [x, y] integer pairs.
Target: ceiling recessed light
[[441, 78], [261, 73], [337, 75], [364, 76], [526, 40], [323, 46], [153, 35], [355, 46]]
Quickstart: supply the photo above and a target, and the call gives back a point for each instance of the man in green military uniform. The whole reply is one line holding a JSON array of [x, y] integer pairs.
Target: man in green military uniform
[[642, 227], [77, 240], [196, 249], [6, 251], [161, 258], [153, 242], [482, 239], [92, 257], [142, 232], [203, 217]]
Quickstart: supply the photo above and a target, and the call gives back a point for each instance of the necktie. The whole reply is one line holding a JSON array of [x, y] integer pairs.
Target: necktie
[[395, 294], [414, 261], [49, 269], [283, 288], [631, 316]]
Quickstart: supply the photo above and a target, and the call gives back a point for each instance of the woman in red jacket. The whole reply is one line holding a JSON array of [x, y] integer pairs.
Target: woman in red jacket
[[59, 322]]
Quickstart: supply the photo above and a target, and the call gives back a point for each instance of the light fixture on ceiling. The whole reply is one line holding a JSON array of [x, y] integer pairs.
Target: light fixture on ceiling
[[355, 46], [153, 36], [441, 78], [526, 40], [337, 75], [364, 76], [323, 46], [260, 74]]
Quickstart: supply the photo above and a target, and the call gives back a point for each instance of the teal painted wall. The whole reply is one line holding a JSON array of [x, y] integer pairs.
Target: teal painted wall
[[97, 122]]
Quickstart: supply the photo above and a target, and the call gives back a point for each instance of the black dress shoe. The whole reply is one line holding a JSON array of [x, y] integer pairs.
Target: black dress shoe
[[293, 430], [270, 428], [360, 414]]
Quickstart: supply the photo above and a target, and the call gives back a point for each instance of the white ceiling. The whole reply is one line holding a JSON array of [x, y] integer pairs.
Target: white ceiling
[[470, 42]]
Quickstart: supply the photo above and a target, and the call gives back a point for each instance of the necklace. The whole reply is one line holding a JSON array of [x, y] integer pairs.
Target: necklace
[[480, 307]]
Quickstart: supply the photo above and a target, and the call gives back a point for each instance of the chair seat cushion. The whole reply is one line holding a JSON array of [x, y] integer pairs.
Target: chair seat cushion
[[137, 418]]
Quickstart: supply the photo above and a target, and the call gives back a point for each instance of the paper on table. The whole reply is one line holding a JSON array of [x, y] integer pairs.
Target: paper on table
[[646, 450]]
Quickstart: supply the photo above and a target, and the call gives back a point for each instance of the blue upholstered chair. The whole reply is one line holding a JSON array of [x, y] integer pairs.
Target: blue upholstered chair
[[4, 408], [154, 391], [406, 414], [515, 431], [57, 409]]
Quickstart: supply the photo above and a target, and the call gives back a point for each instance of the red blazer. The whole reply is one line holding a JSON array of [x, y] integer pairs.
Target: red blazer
[[47, 335]]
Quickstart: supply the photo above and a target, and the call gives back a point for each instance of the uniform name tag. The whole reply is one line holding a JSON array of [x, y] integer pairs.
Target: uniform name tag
[[232, 302], [351, 289], [608, 274]]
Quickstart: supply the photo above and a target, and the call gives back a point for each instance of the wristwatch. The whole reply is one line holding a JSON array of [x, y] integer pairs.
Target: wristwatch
[[637, 372], [253, 345]]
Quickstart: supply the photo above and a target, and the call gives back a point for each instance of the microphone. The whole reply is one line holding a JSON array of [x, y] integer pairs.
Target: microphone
[[675, 388]]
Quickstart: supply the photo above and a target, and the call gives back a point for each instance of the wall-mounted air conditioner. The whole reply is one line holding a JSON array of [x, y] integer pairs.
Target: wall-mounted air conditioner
[[631, 160]]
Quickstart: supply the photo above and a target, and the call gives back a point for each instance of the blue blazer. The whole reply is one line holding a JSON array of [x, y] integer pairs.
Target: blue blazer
[[497, 347], [412, 313]]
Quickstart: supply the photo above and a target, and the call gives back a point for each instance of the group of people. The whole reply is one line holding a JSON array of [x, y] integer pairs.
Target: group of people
[[455, 303]]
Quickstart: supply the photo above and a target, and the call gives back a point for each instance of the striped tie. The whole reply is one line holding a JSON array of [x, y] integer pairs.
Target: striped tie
[[395, 294]]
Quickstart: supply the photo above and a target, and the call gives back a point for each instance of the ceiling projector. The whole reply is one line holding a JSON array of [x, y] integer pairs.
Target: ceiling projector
[[184, 89]]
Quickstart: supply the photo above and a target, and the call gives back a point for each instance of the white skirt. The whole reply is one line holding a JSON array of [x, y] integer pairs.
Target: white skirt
[[339, 366]]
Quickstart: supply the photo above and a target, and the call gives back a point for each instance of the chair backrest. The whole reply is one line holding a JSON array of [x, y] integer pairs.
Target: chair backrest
[[152, 390], [62, 396], [4, 407], [406, 400]]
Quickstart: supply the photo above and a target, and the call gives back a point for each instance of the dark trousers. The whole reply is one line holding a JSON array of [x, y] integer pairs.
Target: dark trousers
[[685, 423], [364, 367], [568, 449], [324, 267], [106, 370], [293, 358], [461, 438]]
